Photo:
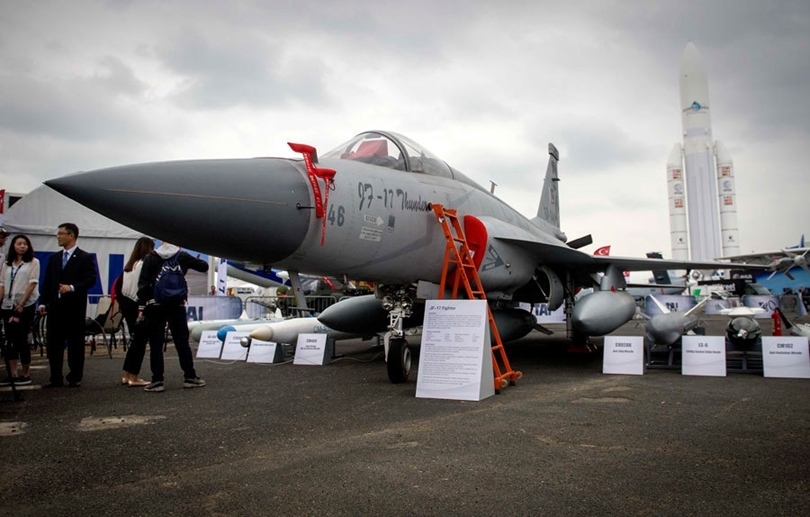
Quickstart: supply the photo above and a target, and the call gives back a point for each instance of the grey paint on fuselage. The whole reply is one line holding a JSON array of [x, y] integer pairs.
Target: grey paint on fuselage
[[392, 252]]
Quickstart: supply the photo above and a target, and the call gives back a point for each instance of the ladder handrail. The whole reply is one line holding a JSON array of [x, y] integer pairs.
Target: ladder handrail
[[458, 252]]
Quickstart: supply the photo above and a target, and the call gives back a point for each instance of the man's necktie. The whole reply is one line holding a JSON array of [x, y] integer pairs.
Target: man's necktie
[[65, 256]]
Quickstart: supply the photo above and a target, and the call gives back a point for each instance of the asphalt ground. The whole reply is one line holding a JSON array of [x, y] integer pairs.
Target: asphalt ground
[[341, 440]]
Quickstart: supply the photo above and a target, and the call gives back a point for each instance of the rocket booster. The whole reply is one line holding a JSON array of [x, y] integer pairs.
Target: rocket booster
[[677, 205], [729, 231]]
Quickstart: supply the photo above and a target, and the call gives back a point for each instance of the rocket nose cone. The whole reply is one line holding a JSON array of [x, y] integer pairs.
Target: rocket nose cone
[[693, 80], [691, 59], [264, 333], [223, 332], [242, 209]]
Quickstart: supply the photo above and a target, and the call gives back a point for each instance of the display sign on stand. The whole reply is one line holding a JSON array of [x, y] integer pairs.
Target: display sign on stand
[[455, 360], [785, 356], [703, 355], [265, 352], [623, 355], [232, 349], [311, 349], [210, 346]]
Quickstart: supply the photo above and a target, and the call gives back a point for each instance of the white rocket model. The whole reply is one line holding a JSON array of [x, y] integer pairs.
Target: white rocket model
[[710, 201]]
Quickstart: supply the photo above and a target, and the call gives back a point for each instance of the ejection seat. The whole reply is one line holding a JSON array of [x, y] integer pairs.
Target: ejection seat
[[373, 152]]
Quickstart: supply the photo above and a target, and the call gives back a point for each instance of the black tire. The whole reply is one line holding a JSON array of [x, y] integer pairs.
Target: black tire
[[399, 361]]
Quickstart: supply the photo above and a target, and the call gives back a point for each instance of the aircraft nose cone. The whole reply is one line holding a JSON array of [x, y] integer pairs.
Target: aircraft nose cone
[[240, 209]]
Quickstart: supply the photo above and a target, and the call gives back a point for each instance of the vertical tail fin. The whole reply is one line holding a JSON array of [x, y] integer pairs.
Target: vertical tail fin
[[661, 276], [549, 209]]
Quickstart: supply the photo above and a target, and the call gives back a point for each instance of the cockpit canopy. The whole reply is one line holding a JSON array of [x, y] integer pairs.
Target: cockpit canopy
[[388, 149]]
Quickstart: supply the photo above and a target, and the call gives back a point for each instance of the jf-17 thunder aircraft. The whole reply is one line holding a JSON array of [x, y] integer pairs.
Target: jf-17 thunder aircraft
[[364, 210]]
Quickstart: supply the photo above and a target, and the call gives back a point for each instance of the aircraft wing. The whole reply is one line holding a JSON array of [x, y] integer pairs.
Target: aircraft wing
[[554, 254], [646, 264], [767, 257]]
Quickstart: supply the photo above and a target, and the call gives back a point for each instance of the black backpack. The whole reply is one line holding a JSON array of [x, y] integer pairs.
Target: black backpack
[[170, 286]]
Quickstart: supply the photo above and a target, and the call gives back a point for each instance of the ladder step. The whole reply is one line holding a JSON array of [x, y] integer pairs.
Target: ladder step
[[466, 275]]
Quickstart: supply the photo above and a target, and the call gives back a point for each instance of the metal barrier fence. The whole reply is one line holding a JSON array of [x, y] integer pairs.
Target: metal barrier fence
[[265, 306]]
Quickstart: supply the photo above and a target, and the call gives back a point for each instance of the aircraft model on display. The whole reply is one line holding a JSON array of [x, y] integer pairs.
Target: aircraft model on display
[[779, 261], [792, 258], [365, 210]]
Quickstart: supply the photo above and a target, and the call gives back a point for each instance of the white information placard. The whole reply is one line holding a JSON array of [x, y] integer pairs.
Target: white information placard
[[623, 355], [210, 346], [261, 351], [310, 349], [233, 349], [455, 361], [703, 355], [785, 356]]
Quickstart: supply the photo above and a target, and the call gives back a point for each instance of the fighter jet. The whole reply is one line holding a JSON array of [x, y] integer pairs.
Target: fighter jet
[[365, 210]]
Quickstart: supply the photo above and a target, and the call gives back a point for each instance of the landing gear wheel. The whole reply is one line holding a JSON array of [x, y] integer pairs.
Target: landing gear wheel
[[399, 361]]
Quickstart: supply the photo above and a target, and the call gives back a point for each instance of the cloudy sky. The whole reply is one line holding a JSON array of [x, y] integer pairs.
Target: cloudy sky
[[484, 85]]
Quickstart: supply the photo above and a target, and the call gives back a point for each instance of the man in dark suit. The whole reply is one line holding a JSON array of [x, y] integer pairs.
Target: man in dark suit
[[63, 296]]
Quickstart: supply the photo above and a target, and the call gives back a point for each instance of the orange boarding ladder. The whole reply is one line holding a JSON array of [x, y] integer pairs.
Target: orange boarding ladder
[[458, 253]]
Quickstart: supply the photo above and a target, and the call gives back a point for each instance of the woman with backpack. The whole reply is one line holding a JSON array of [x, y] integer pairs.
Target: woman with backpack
[[126, 292], [162, 294]]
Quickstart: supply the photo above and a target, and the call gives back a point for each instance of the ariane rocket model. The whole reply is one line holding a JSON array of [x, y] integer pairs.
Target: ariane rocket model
[[700, 175]]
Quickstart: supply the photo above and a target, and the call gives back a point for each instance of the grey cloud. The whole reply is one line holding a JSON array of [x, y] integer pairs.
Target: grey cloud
[[755, 53], [119, 78], [220, 72], [593, 147], [80, 109]]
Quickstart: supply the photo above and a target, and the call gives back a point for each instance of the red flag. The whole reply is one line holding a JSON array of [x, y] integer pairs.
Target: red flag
[[604, 251]]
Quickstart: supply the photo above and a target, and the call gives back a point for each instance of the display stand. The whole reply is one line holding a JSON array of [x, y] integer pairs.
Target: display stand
[[786, 357], [265, 352], [623, 355], [233, 350], [210, 346], [455, 361], [314, 349], [704, 355]]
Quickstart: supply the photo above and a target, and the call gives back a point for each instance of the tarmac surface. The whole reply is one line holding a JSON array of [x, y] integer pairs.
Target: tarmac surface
[[341, 440]]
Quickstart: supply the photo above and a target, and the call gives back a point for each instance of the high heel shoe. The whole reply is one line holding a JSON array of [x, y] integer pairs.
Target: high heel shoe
[[137, 382]]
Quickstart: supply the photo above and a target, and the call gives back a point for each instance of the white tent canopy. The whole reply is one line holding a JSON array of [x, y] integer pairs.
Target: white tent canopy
[[43, 209], [39, 213]]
